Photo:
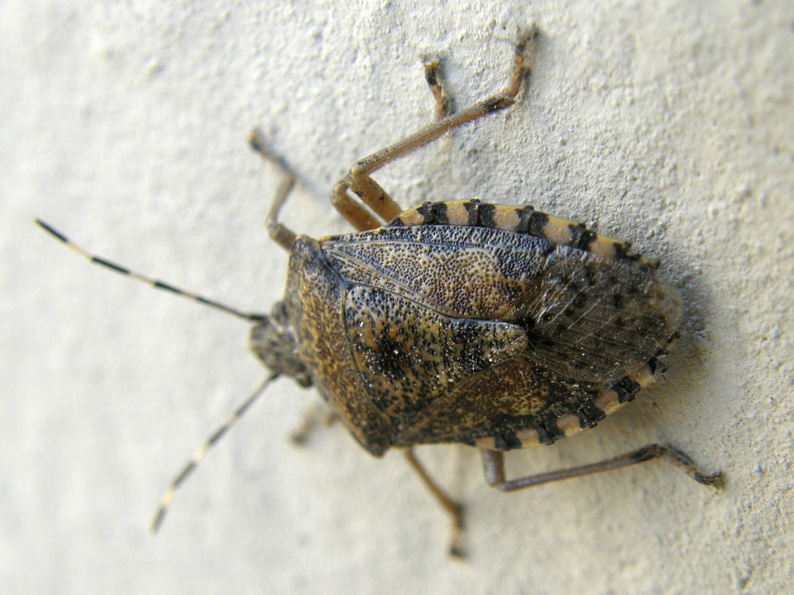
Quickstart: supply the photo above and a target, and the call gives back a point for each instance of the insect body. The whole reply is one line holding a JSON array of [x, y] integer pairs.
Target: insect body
[[459, 322], [451, 325]]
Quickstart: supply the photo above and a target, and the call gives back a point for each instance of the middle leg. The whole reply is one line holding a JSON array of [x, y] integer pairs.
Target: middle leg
[[454, 509], [443, 102], [358, 180]]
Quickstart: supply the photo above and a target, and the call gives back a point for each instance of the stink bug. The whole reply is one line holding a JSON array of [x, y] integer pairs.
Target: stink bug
[[458, 322]]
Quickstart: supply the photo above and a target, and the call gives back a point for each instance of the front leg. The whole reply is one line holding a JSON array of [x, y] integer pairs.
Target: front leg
[[279, 232]]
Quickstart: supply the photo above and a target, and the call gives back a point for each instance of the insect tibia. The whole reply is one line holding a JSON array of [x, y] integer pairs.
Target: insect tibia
[[98, 260]]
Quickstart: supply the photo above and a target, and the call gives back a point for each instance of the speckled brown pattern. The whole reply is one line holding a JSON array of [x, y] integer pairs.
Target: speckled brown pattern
[[485, 329], [314, 302]]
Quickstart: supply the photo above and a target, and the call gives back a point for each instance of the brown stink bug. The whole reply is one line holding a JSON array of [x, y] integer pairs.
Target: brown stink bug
[[458, 322]]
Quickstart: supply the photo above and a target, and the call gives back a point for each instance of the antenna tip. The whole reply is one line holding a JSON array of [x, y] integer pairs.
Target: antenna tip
[[51, 230], [157, 521]]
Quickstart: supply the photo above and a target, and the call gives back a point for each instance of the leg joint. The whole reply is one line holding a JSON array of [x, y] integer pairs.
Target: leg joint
[[498, 103]]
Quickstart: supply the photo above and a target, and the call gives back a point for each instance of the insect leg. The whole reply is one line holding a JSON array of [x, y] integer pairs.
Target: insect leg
[[494, 468], [281, 234], [443, 101], [315, 415], [455, 509], [371, 193], [357, 179]]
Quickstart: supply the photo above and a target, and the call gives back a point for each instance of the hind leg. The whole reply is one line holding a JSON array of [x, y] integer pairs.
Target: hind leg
[[494, 468]]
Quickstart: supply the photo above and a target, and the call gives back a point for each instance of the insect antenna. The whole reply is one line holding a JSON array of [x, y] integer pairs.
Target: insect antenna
[[179, 479], [148, 280], [216, 436]]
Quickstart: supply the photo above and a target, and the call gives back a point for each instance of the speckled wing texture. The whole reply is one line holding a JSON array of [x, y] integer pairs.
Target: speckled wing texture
[[462, 332]]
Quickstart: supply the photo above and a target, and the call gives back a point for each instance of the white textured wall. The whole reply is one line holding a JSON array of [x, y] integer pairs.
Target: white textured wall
[[667, 124]]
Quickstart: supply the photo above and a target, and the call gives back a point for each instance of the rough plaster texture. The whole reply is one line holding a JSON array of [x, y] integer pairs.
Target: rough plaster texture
[[667, 124]]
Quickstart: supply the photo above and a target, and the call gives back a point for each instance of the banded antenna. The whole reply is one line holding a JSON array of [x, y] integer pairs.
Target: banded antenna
[[93, 259], [186, 471]]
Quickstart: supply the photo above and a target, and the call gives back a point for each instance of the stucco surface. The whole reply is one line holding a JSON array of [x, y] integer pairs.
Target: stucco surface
[[123, 124]]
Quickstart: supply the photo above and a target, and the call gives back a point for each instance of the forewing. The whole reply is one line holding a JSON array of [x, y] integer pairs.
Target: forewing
[[460, 272], [587, 317], [596, 320]]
